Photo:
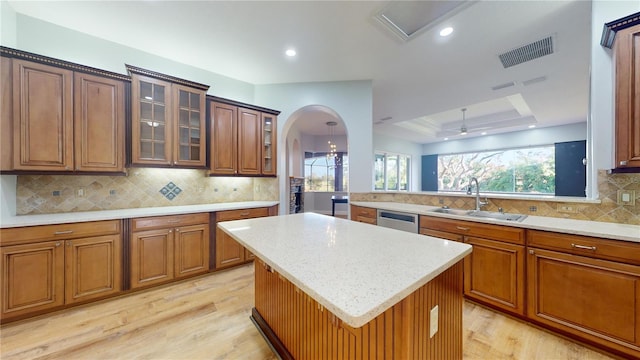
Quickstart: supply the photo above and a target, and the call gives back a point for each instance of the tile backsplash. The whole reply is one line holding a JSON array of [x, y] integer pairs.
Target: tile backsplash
[[142, 187], [608, 210]]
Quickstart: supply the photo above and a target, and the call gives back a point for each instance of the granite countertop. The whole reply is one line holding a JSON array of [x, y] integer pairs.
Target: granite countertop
[[355, 270], [605, 230], [74, 217]]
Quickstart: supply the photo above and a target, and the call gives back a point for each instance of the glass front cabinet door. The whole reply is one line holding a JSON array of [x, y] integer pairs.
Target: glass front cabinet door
[[168, 123], [269, 129]]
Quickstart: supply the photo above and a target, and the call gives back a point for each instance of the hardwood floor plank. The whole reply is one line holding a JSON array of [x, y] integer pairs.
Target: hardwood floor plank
[[208, 318]]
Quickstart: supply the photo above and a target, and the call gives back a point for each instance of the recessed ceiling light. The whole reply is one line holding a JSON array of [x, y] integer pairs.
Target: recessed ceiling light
[[445, 139], [446, 31], [531, 126], [290, 52], [483, 133]]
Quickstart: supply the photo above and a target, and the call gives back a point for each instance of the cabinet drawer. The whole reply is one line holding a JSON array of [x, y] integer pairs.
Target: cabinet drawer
[[241, 214], [617, 250], [12, 236], [169, 221], [363, 212], [468, 228]]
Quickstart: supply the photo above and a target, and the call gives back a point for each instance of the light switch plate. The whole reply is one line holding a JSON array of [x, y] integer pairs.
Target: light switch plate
[[626, 197]]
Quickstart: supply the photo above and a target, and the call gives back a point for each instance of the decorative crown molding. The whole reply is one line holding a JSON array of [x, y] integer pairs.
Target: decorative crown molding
[[156, 75], [609, 29], [24, 55]]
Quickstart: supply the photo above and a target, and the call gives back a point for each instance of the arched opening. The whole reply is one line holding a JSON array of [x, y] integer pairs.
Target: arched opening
[[317, 160]]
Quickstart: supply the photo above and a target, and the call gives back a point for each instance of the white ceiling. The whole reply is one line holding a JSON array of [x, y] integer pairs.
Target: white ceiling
[[419, 85]]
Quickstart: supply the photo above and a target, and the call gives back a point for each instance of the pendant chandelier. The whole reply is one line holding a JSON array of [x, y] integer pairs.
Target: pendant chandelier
[[332, 151]]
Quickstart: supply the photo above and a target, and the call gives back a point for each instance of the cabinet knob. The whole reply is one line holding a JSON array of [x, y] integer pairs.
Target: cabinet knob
[[531, 252], [58, 244], [177, 230], [69, 243], [170, 231]]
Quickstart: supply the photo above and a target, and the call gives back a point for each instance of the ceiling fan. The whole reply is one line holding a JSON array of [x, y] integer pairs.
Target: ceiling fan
[[464, 129]]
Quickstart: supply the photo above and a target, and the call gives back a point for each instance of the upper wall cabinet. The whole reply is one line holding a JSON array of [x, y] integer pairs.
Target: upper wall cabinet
[[62, 116], [168, 120], [624, 36], [243, 139]]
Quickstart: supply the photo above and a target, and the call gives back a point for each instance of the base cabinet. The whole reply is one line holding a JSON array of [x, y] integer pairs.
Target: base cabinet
[[165, 248], [494, 273], [364, 214], [47, 267], [228, 251]]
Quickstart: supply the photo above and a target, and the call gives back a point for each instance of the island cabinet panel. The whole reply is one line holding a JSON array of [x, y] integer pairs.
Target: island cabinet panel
[[300, 328], [364, 214]]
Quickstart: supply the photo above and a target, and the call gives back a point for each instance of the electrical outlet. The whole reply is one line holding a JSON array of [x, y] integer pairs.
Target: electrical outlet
[[567, 208], [433, 321], [626, 197], [80, 192]]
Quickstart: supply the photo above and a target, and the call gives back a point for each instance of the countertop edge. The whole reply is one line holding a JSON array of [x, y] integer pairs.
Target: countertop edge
[[87, 216], [617, 231]]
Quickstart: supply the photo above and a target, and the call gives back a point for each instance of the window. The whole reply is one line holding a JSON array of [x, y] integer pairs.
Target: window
[[525, 170], [391, 172], [326, 173]]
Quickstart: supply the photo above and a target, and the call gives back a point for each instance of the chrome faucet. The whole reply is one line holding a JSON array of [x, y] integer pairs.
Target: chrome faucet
[[479, 203]]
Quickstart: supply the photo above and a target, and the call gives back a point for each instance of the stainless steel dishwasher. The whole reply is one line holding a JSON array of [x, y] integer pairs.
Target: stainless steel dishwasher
[[398, 220]]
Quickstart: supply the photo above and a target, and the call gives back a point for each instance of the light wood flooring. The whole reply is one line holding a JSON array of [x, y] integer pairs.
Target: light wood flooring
[[208, 318]]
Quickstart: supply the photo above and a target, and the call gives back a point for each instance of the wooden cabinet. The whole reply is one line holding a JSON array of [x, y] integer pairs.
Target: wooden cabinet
[[243, 140], [364, 214], [627, 100], [494, 273], [584, 295], [168, 120], [228, 251], [43, 117], [61, 120], [165, 248], [47, 267]]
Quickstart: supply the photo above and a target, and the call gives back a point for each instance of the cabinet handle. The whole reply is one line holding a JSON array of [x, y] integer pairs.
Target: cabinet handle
[[63, 232], [623, 163], [244, 214], [173, 221], [462, 228], [583, 247]]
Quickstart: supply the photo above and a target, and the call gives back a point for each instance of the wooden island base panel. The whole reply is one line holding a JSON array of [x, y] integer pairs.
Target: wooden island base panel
[[298, 327]]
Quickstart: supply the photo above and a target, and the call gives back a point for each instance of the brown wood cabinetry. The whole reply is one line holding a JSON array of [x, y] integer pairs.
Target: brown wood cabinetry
[[494, 273], [243, 140], [572, 288], [627, 98], [228, 251], [47, 267], [168, 126], [165, 248], [61, 120], [364, 214]]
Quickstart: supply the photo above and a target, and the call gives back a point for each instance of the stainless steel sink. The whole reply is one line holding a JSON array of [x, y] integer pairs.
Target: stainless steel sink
[[482, 214]]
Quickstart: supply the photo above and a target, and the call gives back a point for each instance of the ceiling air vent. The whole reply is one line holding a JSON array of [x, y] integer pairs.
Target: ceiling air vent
[[527, 52]]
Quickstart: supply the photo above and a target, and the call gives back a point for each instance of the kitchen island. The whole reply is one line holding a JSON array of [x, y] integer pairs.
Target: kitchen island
[[333, 288]]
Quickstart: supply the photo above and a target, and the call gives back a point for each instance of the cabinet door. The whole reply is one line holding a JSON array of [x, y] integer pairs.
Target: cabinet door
[[494, 273], [151, 121], [595, 299], [151, 257], [6, 114], [32, 277], [269, 148], [228, 251], [93, 267], [364, 214], [627, 100], [249, 142], [191, 250], [43, 117], [190, 139], [99, 124], [224, 135]]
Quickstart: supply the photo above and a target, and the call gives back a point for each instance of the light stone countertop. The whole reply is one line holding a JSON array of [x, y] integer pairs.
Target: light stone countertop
[[605, 230], [65, 218], [355, 270]]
